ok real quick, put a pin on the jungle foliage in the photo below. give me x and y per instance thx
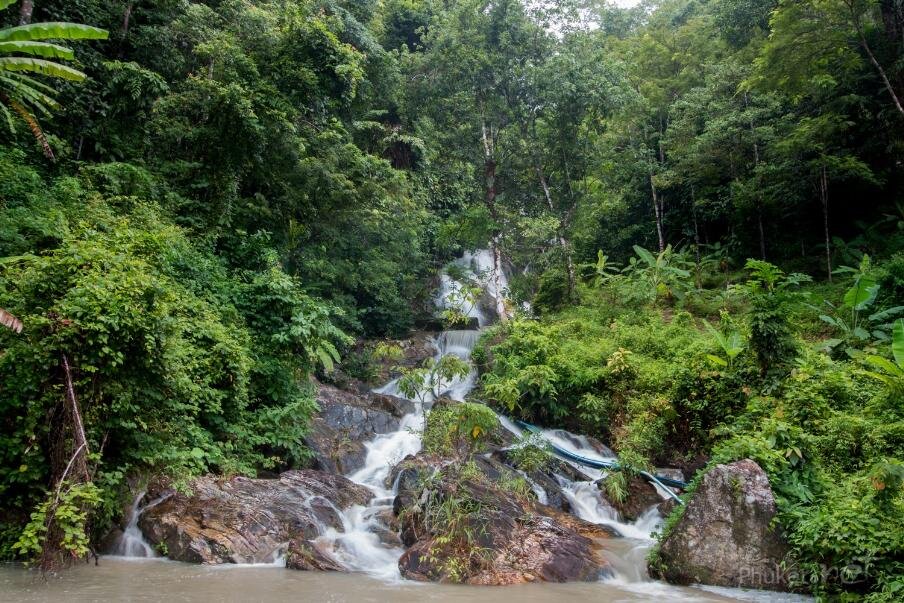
(240, 187)
(678, 382)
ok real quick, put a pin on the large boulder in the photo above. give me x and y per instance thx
(725, 536)
(470, 528)
(345, 422)
(243, 520)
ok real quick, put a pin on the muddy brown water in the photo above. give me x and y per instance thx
(117, 579)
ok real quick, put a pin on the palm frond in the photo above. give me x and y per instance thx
(42, 66)
(38, 49)
(30, 81)
(26, 94)
(9, 118)
(53, 31)
(33, 125)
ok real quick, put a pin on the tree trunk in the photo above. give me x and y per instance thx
(80, 442)
(872, 59)
(657, 211)
(25, 10)
(697, 279)
(69, 467)
(126, 17)
(759, 200)
(489, 171)
(824, 196)
(501, 310)
(759, 221)
(560, 238)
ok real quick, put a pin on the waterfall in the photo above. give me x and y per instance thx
(132, 543)
(477, 267)
(358, 546)
(628, 555)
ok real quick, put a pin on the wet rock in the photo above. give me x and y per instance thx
(497, 537)
(345, 422)
(409, 476)
(305, 555)
(415, 348)
(666, 507)
(242, 520)
(545, 478)
(110, 542)
(640, 496)
(724, 536)
(387, 528)
(397, 407)
(575, 523)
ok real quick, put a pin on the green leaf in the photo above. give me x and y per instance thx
(885, 364)
(828, 344)
(325, 359)
(828, 319)
(53, 31)
(861, 333)
(716, 360)
(862, 294)
(884, 314)
(645, 255)
(39, 49)
(897, 342)
(41, 66)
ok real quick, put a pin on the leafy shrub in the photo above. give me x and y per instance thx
(458, 429)
(552, 291)
(771, 336)
(180, 367)
(531, 453)
(615, 379)
(425, 382)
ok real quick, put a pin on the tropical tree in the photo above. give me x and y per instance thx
(24, 52)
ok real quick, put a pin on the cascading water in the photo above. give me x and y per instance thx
(476, 267)
(626, 555)
(358, 546)
(132, 543)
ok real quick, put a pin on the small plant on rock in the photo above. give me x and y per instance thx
(458, 430)
(531, 453)
(425, 382)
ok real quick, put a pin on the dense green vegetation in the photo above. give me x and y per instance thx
(666, 388)
(203, 205)
(228, 204)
